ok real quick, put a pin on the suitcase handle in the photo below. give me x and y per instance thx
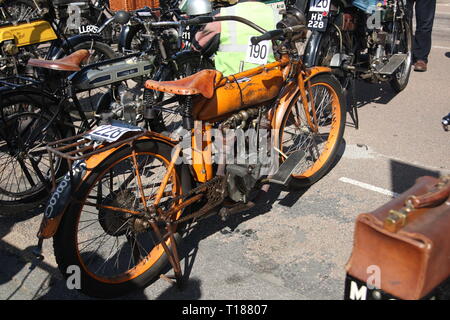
(434, 197)
(437, 195)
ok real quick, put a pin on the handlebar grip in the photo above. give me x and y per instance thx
(199, 20)
(269, 35)
(164, 24)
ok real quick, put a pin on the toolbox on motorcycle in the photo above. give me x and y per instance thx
(407, 240)
(131, 5)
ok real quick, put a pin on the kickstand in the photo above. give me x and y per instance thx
(171, 253)
(174, 280)
(353, 110)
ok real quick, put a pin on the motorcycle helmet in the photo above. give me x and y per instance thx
(196, 7)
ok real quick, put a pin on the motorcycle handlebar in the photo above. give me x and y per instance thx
(276, 34)
(270, 35)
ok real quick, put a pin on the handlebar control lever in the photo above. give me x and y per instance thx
(276, 34)
(269, 35)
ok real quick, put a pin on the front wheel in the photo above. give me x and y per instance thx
(116, 249)
(26, 127)
(321, 140)
(403, 46)
(99, 51)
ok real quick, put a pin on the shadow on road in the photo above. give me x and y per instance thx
(205, 228)
(11, 265)
(403, 175)
(367, 93)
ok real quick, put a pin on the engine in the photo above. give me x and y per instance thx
(246, 148)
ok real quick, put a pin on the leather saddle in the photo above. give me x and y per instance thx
(202, 83)
(69, 63)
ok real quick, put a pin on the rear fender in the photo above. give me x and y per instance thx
(61, 198)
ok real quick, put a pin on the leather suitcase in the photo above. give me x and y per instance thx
(407, 240)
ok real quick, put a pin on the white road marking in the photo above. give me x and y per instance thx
(441, 47)
(369, 187)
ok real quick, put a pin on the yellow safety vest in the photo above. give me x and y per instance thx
(234, 36)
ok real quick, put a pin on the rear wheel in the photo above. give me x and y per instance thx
(19, 10)
(115, 247)
(320, 145)
(99, 51)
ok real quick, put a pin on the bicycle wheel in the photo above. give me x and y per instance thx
(25, 130)
(115, 249)
(403, 45)
(99, 51)
(321, 145)
(19, 10)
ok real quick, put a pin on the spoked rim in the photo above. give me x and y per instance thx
(133, 247)
(24, 162)
(21, 11)
(402, 75)
(298, 135)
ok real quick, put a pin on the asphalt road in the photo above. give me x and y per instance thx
(295, 245)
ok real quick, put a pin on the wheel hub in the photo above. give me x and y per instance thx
(113, 222)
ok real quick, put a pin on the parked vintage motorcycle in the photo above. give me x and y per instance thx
(75, 99)
(361, 39)
(41, 37)
(118, 213)
(75, 17)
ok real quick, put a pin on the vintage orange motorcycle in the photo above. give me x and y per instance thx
(118, 214)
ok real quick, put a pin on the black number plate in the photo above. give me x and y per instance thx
(318, 14)
(317, 21)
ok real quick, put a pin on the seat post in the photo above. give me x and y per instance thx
(186, 113)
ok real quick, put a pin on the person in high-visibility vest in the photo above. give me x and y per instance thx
(235, 52)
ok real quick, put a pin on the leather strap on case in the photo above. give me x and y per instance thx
(436, 196)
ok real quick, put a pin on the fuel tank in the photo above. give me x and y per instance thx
(241, 93)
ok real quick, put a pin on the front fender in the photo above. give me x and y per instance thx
(314, 71)
(65, 192)
(126, 36)
(312, 49)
